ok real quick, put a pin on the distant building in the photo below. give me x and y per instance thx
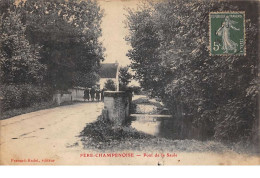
(109, 71)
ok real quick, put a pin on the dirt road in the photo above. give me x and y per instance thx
(45, 134)
(49, 137)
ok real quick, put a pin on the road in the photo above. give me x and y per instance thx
(50, 137)
(46, 134)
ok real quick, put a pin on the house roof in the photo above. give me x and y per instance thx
(108, 70)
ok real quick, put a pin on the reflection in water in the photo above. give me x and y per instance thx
(156, 126)
(160, 127)
(146, 125)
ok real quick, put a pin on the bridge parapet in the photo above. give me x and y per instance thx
(117, 104)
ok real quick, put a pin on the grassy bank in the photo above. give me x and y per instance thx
(102, 135)
(35, 107)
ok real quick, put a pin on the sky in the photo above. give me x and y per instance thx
(114, 31)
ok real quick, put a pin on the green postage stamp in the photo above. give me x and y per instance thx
(227, 33)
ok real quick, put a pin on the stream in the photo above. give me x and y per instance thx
(149, 122)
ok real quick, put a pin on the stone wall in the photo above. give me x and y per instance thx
(74, 94)
(77, 93)
(62, 97)
(117, 105)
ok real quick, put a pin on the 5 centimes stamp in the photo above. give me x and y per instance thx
(227, 33)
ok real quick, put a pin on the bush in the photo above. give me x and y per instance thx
(110, 85)
(136, 90)
(21, 96)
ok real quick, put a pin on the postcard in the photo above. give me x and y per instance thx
(129, 82)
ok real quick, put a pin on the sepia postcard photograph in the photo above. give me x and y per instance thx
(129, 82)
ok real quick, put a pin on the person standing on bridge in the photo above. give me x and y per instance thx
(92, 93)
(86, 94)
(102, 94)
(97, 95)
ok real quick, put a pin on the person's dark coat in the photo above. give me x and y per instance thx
(92, 93)
(97, 95)
(86, 94)
(102, 94)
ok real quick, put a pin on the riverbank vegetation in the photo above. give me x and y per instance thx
(103, 135)
(214, 96)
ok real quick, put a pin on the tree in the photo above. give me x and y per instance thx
(124, 77)
(170, 55)
(68, 32)
(110, 85)
(85, 79)
(19, 61)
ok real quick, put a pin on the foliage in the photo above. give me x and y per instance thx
(124, 77)
(102, 131)
(85, 79)
(19, 61)
(170, 55)
(33, 107)
(110, 85)
(21, 96)
(68, 32)
(47, 43)
(103, 135)
(136, 89)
